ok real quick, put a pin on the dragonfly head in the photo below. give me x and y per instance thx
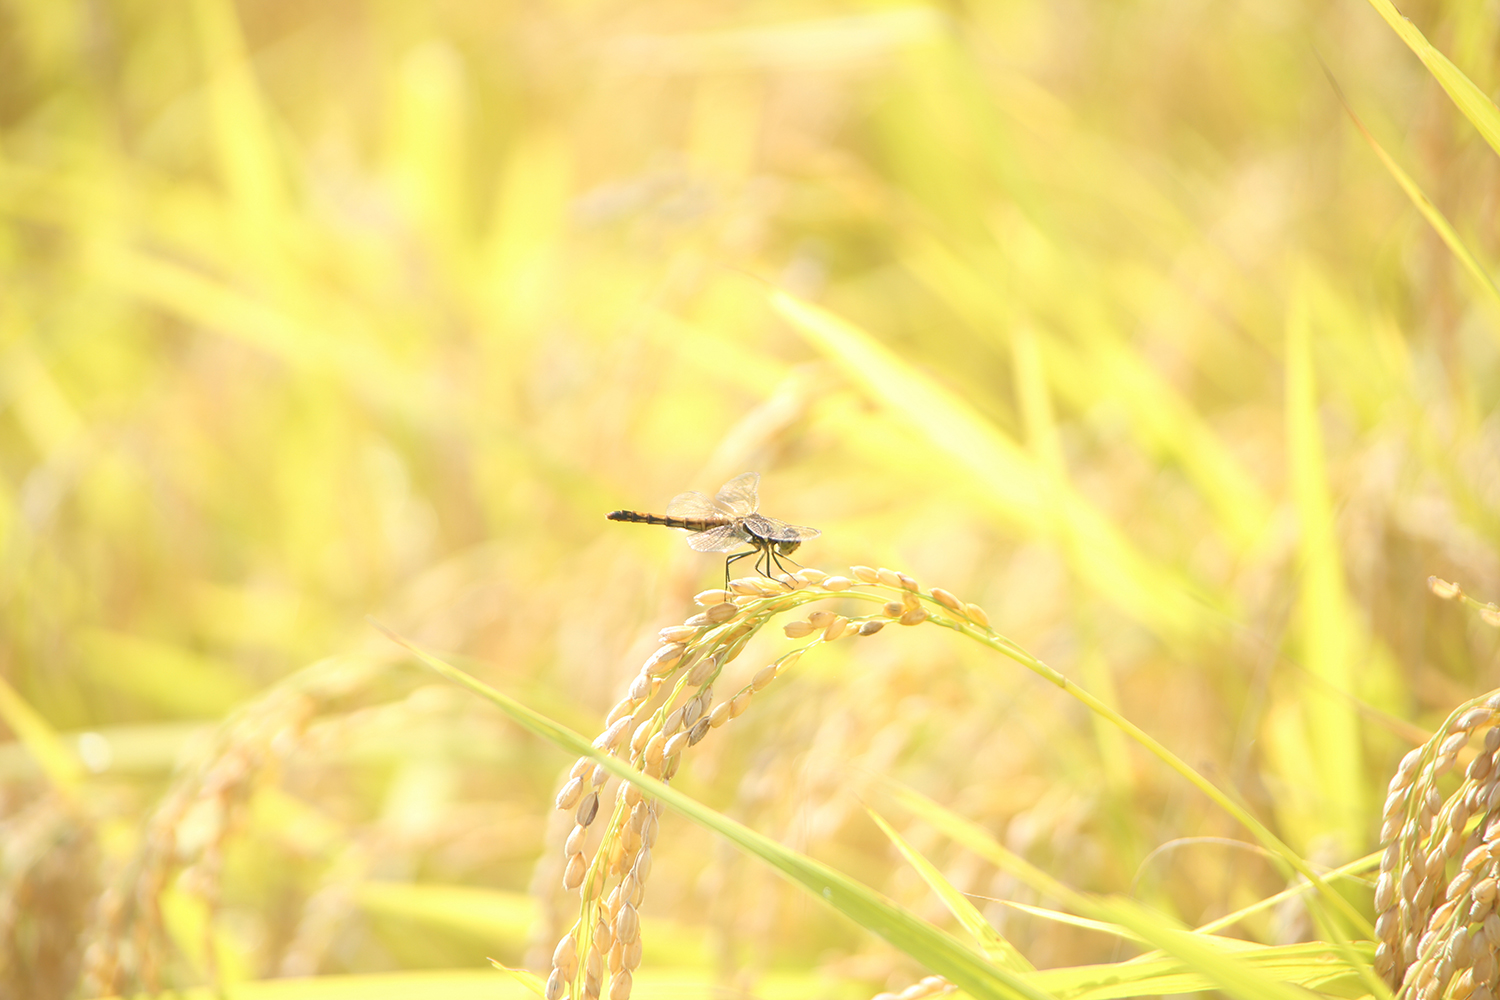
(787, 548)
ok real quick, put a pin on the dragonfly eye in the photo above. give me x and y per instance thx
(787, 548)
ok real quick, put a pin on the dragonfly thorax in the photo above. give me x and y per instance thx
(761, 542)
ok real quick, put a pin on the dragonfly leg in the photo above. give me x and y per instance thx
(773, 555)
(737, 556)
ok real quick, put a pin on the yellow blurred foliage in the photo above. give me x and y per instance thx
(1105, 317)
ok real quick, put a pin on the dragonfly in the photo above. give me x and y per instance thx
(731, 519)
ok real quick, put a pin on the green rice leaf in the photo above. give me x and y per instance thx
(1104, 557)
(1334, 960)
(933, 948)
(1185, 960)
(1430, 212)
(60, 764)
(533, 983)
(1312, 965)
(1205, 955)
(500, 916)
(1069, 920)
(1000, 951)
(1332, 772)
(1476, 107)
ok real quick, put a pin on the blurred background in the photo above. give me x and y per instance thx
(310, 312)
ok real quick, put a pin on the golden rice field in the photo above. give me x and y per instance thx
(1138, 364)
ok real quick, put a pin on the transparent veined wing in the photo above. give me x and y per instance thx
(780, 531)
(738, 496)
(720, 538)
(695, 506)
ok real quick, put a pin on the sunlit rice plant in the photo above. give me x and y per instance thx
(669, 709)
(1167, 332)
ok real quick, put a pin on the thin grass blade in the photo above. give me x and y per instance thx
(1476, 107)
(533, 983)
(1196, 960)
(58, 763)
(1430, 212)
(1311, 965)
(1203, 954)
(1332, 774)
(933, 948)
(999, 950)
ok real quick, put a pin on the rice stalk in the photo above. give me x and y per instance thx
(1436, 928)
(126, 943)
(670, 708)
(1436, 925)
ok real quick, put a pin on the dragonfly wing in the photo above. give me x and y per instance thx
(694, 506)
(721, 538)
(738, 496)
(780, 531)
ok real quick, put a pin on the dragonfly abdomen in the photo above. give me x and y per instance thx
(685, 523)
